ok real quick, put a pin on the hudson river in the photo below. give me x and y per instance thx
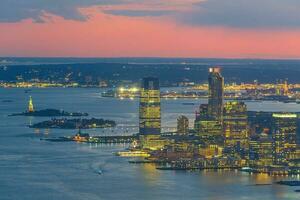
(34, 169)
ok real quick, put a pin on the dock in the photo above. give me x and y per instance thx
(96, 139)
(113, 139)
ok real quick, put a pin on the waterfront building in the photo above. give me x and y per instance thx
(209, 120)
(254, 147)
(177, 150)
(235, 123)
(210, 151)
(215, 93)
(208, 129)
(150, 114)
(282, 88)
(294, 158)
(286, 88)
(30, 105)
(284, 135)
(182, 125)
(81, 137)
(261, 151)
(202, 113)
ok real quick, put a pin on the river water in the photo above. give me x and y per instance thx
(34, 169)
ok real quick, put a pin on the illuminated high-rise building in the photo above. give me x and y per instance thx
(215, 93)
(285, 88)
(282, 88)
(30, 105)
(150, 113)
(261, 150)
(203, 112)
(235, 123)
(182, 125)
(284, 136)
(210, 130)
(208, 122)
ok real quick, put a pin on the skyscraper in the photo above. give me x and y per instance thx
(235, 125)
(284, 136)
(210, 130)
(30, 105)
(150, 113)
(260, 150)
(215, 93)
(182, 125)
(208, 123)
(150, 119)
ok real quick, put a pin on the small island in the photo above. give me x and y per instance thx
(50, 113)
(65, 123)
(47, 112)
(7, 101)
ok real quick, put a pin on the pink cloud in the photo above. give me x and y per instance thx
(116, 36)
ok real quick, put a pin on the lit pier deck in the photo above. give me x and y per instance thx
(133, 154)
(113, 139)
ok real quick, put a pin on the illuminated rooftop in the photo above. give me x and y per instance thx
(215, 69)
(284, 115)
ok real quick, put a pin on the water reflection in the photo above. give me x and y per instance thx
(262, 179)
(67, 170)
(150, 174)
(30, 120)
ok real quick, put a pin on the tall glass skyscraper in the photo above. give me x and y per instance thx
(284, 134)
(149, 110)
(215, 93)
(235, 122)
(150, 115)
(208, 122)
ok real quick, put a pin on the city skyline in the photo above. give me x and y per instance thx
(133, 139)
(149, 99)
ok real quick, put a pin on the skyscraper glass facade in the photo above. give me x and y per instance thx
(149, 109)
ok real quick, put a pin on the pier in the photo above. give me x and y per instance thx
(113, 139)
(96, 139)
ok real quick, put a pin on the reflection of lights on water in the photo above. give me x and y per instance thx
(134, 89)
(121, 89)
(47, 131)
(30, 121)
(151, 175)
(262, 178)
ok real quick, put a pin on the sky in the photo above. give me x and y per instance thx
(150, 28)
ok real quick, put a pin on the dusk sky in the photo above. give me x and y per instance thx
(150, 28)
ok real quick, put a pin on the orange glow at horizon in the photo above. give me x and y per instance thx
(118, 36)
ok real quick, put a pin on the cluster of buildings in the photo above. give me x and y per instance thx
(34, 84)
(222, 136)
(280, 91)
